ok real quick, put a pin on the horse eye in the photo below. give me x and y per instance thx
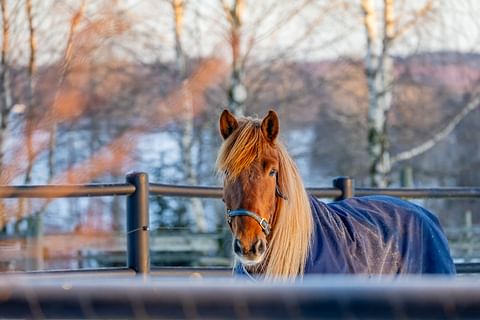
(273, 172)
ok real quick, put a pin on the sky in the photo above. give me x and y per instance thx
(333, 30)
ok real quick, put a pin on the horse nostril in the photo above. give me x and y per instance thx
(237, 246)
(259, 247)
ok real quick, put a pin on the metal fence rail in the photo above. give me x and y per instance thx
(137, 190)
(343, 188)
(66, 191)
(345, 297)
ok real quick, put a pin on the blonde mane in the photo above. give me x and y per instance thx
(289, 244)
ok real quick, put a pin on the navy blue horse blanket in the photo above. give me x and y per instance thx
(375, 235)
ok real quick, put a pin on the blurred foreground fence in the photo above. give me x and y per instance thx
(137, 190)
(345, 297)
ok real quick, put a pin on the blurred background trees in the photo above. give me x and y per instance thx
(386, 91)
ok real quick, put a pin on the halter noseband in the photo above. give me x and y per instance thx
(242, 212)
(261, 221)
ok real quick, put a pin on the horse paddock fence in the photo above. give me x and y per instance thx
(137, 190)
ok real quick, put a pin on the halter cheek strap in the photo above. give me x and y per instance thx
(242, 212)
(279, 193)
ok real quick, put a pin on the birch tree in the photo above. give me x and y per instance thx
(379, 70)
(382, 31)
(6, 103)
(237, 91)
(35, 222)
(32, 66)
(64, 68)
(187, 118)
(379, 73)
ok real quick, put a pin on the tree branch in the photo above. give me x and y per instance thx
(430, 143)
(422, 12)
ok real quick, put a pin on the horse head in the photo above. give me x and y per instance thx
(250, 164)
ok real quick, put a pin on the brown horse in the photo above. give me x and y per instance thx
(258, 173)
(280, 232)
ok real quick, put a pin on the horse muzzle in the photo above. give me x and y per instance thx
(250, 254)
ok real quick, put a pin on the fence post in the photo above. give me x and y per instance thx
(345, 184)
(138, 249)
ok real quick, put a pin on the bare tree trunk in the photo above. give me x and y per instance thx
(35, 222)
(379, 66)
(5, 93)
(67, 59)
(237, 92)
(379, 73)
(187, 139)
(178, 7)
(29, 128)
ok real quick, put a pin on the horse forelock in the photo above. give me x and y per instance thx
(240, 149)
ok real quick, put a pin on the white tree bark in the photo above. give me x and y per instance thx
(237, 91)
(379, 73)
(187, 118)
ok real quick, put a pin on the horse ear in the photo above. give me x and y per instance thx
(271, 126)
(228, 124)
